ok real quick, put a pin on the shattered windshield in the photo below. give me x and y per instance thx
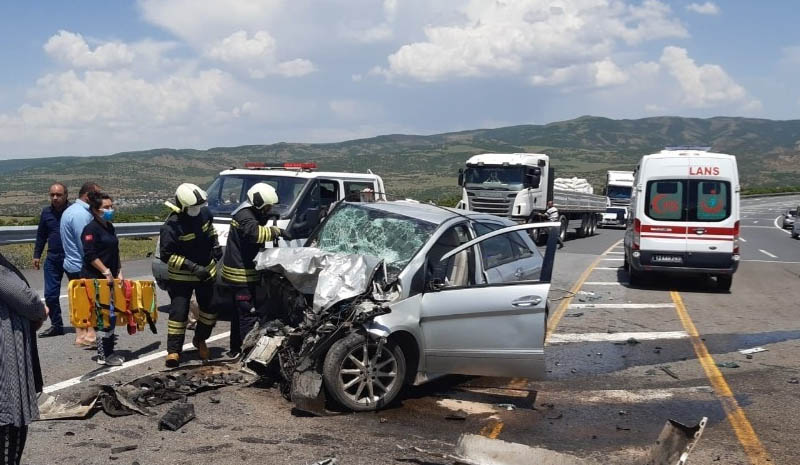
(395, 239)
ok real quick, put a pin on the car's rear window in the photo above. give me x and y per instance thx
(695, 200)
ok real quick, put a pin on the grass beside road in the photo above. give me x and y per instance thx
(134, 248)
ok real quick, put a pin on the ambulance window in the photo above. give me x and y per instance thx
(665, 200)
(710, 200)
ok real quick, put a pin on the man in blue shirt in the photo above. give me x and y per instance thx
(74, 219)
(49, 233)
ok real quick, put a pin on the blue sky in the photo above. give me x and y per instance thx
(98, 77)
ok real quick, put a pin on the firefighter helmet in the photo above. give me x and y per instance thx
(261, 195)
(189, 195)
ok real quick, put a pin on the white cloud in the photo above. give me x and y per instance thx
(257, 55)
(512, 36)
(706, 85)
(359, 31)
(349, 109)
(707, 8)
(73, 50)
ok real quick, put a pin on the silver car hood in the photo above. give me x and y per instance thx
(330, 277)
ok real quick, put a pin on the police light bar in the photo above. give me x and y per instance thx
(300, 166)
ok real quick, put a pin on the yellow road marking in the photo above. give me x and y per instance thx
(492, 430)
(741, 425)
(555, 318)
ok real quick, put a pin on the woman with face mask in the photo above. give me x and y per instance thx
(101, 262)
(188, 245)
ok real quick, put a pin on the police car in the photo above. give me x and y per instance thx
(684, 215)
(305, 196)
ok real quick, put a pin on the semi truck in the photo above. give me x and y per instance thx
(519, 185)
(619, 187)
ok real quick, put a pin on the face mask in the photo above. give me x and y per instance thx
(108, 214)
(195, 210)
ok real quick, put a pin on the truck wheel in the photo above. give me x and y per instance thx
(360, 378)
(724, 282)
(593, 225)
(562, 232)
(539, 237)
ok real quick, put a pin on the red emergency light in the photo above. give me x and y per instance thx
(285, 166)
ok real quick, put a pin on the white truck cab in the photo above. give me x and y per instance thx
(684, 215)
(305, 196)
(619, 188)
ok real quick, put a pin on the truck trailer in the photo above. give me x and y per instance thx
(519, 185)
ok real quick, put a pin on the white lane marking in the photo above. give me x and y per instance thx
(769, 261)
(755, 222)
(756, 227)
(82, 379)
(617, 253)
(665, 305)
(59, 297)
(606, 268)
(776, 225)
(564, 338)
(742, 239)
(603, 283)
(623, 396)
(767, 253)
(613, 259)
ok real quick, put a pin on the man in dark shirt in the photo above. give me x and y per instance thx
(49, 233)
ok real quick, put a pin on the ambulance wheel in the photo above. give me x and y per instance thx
(361, 378)
(625, 265)
(635, 277)
(724, 282)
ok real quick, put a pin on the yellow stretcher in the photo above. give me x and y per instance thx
(134, 303)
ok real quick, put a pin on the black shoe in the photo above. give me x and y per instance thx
(52, 331)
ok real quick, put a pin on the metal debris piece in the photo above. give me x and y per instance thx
(307, 393)
(794, 381)
(632, 341)
(669, 372)
(728, 365)
(50, 408)
(574, 315)
(118, 450)
(754, 350)
(329, 461)
(456, 416)
(506, 406)
(177, 416)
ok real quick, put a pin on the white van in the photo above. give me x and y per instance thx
(684, 215)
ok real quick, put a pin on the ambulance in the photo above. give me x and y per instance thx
(684, 215)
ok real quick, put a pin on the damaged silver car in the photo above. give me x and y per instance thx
(390, 294)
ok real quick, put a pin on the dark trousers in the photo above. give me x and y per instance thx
(105, 344)
(71, 276)
(240, 303)
(180, 294)
(53, 272)
(12, 441)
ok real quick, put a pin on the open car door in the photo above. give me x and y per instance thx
(489, 329)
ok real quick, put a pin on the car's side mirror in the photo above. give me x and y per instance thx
(435, 285)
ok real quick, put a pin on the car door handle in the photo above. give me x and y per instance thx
(527, 301)
(699, 231)
(518, 273)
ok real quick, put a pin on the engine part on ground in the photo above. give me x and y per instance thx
(177, 416)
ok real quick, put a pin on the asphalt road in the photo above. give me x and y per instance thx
(603, 398)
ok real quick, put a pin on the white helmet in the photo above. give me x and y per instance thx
(189, 195)
(261, 195)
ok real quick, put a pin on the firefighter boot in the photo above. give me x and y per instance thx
(173, 360)
(202, 348)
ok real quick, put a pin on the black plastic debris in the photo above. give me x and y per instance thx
(794, 381)
(574, 315)
(119, 450)
(177, 416)
(669, 372)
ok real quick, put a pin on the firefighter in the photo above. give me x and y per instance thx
(248, 234)
(190, 249)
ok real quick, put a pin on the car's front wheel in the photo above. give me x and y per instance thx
(362, 374)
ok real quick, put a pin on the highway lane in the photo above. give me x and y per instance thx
(763, 238)
(603, 397)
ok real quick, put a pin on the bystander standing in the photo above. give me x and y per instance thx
(49, 232)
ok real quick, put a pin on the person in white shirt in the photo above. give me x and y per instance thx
(552, 215)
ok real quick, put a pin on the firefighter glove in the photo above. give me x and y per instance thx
(200, 272)
(217, 252)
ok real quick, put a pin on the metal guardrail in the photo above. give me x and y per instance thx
(23, 234)
(777, 194)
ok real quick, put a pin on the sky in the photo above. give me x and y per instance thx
(97, 77)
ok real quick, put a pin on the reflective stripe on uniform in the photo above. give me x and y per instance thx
(176, 327)
(176, 261)
(187, 237)
(239, 275)
(188, 276)
(264, 234)
(206, 318)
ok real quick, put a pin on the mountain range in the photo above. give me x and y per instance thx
(425, 167)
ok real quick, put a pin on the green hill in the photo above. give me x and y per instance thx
(426, 166)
